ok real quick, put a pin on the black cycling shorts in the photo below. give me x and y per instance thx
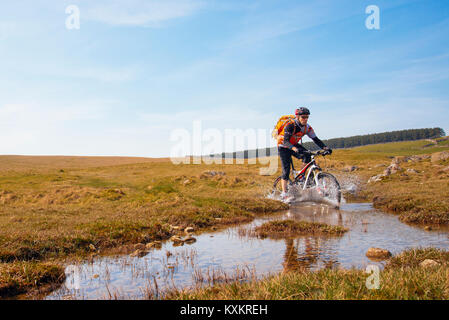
(286, 158)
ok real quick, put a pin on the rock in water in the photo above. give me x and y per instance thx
(378, 253)
(189, 239)
(139, 246)
(176, 240)
(189, 229)
(139, 253)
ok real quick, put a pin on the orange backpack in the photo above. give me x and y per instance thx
(280, 125)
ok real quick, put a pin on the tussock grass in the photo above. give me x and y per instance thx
(20, 277)
(402, 278)
(291, 228)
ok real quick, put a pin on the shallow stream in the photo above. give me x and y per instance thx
(232, 254)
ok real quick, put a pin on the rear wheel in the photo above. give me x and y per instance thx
(328, 187)
(277, 185)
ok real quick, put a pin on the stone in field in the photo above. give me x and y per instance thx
(429, 263)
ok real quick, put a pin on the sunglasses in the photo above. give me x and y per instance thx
(304, 117)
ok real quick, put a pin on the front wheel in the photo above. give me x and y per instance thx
(329, 188)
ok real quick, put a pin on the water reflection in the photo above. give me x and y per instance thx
(231, 249)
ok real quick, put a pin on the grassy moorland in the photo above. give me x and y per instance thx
(58, 208)
(418, 192)
(403, 278)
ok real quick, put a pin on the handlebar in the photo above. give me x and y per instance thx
(322, 152)
(318, 153)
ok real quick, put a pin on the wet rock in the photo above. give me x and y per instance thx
(439, 156)
(427, 228)
(139, 246)
(176, 240)
(378, 253)
(189, 229)
(189, 239)
(429, 263)
(176, 228)
(154, 244)
(95, 276)
(139, 253)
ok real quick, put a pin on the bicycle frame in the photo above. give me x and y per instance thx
(310, 167)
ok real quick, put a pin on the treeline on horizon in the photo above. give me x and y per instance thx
(349, 142)
(374, 138)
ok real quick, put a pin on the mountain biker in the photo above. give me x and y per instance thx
(288, 144)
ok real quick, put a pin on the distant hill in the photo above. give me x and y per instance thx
(347, 142)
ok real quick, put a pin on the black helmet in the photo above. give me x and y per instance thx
(302, 111)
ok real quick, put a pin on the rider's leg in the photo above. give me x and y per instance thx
(286, 158)
(284, 185)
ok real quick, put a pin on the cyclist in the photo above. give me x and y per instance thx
(288, 145)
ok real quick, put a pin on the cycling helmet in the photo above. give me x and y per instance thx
(302, 111)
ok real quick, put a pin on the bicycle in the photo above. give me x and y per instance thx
(313, 177)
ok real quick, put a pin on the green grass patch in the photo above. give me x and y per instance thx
(291, 228)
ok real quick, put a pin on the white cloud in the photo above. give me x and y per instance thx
(149, 13)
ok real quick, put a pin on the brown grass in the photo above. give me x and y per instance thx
(421, 197)
(402, 279)
(62, 207)
(69, 207)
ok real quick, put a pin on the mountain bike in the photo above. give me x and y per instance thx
(313, 177)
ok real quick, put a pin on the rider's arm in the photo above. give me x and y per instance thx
(311, 134)
(319, 143)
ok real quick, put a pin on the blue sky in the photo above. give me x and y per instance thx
(136, 70)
